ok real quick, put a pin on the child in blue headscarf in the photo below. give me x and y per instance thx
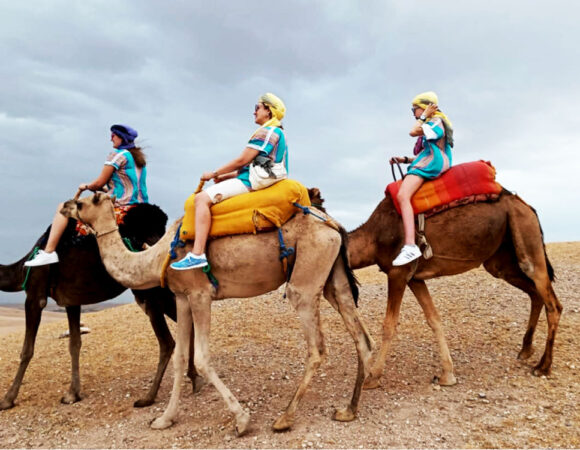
(124, 176)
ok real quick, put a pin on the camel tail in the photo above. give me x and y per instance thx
(551, 272)
(352, 281)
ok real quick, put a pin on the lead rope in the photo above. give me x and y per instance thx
(32, 255)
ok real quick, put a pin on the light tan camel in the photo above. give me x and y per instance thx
(246, 266)
(505, 236)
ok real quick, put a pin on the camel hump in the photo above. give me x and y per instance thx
(143, 224)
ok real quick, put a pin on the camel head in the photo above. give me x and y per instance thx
(96, 211)
(316, 198)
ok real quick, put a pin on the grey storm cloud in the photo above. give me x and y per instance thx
(186, 74)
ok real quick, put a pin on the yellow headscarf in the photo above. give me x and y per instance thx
(430, 97)
(276, 107)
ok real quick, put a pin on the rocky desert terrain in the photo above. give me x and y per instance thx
(258, 350)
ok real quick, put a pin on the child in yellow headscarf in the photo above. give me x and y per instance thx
(233, 178)
(434, 133)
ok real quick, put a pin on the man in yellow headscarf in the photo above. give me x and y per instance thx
(233, 178)
(434, 132)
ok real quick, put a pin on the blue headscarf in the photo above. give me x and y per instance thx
(127, 134)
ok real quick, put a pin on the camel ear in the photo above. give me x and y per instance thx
(113, 198)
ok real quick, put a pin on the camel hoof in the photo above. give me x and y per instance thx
(539, 371)
(197, 383)
(445, 380)
(143, 402)
(160, 423)
(6, 404)
(371, 383)
(70, 398)
(283, 423)
(344, 415)
(525, 353)
(242, 422)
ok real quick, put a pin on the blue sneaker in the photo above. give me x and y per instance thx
(190, 262)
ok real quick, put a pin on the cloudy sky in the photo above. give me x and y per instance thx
(186, 75)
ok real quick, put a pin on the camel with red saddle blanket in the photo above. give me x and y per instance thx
(246, 266)
(503, 233)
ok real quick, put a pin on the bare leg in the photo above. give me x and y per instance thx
(74, 326)
(432, 316)
(202, 222)
(408, 187)
(59, 223)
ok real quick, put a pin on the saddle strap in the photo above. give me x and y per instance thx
(422, 239)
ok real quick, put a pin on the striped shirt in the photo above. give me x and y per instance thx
(435, 158)
(128, 182)
(271, 142)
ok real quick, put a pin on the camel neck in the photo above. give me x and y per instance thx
(134, 270)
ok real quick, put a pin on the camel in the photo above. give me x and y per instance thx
(505, 236)
(81, 279)
(246, 266)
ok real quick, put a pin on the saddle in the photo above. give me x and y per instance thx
(261, 210)
(461, 184)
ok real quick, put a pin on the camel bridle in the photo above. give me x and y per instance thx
(93, 231)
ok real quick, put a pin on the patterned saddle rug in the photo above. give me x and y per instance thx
(461, 184)
(249, 213)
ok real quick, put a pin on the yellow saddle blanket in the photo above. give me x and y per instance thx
(251, 212)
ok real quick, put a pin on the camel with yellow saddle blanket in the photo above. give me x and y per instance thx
(246, 265)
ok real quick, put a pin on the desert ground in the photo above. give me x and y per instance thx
(258, 350)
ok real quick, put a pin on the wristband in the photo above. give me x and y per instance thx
(422, 118)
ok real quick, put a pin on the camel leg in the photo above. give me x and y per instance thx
(74, 345)
(33, 313)
(306, 302)
(396, 288)
(184, 322)
(201, 309)
(526, 269)
(419, 288)
(337, 292)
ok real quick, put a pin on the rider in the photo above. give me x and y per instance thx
(124, 176)
(433, 157)
(232, 178)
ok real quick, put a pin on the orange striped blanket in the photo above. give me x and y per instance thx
(474, 180)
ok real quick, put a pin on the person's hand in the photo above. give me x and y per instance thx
(83, 187)
(399, 159)
(430, 110)
(206, 176)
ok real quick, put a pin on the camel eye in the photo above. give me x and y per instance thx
(79, 206)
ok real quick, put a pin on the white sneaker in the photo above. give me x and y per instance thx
(42, 258)
(408, 253)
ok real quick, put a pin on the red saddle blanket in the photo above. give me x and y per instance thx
(465, 180)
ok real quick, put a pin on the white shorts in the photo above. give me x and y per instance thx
(226, 189)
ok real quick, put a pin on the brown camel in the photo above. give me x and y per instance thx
(81, 279)
(318, 266)
(505, 236)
